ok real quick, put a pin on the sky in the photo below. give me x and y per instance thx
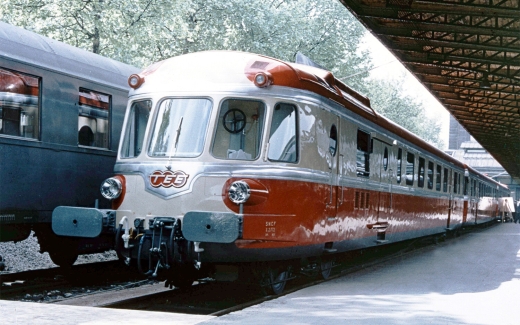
(387, 65)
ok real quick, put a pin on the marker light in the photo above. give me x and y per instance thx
(263, 79)
(111, 188)
(135, 81)
(239, 192)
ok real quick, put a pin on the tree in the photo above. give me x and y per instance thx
(389, 98)
(140, 32)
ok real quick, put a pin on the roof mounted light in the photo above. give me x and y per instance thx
(135, 81)
(263, 79)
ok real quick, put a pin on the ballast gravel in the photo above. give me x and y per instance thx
(24, 256)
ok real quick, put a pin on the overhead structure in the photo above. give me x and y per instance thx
(467, 53)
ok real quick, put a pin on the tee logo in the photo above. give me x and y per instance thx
(168, 178)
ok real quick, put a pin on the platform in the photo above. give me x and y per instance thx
(474, 279)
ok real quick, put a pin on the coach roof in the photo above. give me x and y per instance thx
(28, 47)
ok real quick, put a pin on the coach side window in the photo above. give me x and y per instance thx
(93, 120)
(399, 163)
(438, 178)
(445, 181)
(456, 183)
(363, 154)
(421, 172)
(410, 168)
(19, 104)
(135, 127)
(430, 175)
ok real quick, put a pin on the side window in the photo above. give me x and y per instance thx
(438, 179)
(19, 104)
(135, 126)
(421, 172)
(333, 140)
(445, 181)
(410, 168)
(456, 183)
(93, 119)
(399, 164)
(283, 137)
(385, 159)
(363, 154)
(239, 129)
(430, 175)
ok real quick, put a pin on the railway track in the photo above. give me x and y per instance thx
(57, 283)
(116, 290)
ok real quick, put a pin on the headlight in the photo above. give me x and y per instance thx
(239, 192)
(111, 188)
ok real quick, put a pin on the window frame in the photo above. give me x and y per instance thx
(38, 121)
(296, 130)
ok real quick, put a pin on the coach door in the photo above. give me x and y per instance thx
(331, 125)
(382, 150)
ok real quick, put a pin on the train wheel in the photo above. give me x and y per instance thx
(326, 267)
(274, 279)
(63, 258)
(182, 276)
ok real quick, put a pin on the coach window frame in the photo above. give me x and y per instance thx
(93, 114)
(438, 177)
(430, 174)
(421, 172)
(399, 165)
(36, 134)
(410, 168)
(363, 151)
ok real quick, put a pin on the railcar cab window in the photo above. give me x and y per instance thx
(180, 127)
(135, 126)
(93, 119)
(410, 168)
(239, 129)
(19, 104)
(363, 154)
(283, 136)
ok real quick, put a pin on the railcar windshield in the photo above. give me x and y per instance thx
(180, 127)
(135, 127)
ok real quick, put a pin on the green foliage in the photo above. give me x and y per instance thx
(140, 32)
(390, 99)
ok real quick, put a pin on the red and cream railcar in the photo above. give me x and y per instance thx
(231, 158)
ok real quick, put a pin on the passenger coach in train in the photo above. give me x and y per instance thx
(61, 113)
(236, 161)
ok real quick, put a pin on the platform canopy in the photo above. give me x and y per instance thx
(467, 53)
